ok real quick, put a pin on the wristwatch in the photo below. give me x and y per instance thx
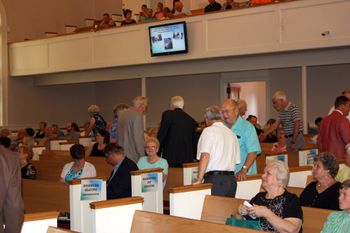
(245, 167)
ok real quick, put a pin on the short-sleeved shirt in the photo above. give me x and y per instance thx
(248, 142)
(328, 199)
(286, 205)
(337, 222)
(288, 117)
(161, 163)
(68, 174)
(222, 146)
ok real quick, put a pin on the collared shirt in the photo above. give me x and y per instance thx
(248, 142)
(222, 145)
(115, 169)
(288, 117)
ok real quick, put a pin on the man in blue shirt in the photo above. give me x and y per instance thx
(247, 137)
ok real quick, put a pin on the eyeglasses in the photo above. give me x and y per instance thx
(226, 110)
(150, 147)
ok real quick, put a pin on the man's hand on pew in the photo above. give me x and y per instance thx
(241, 175)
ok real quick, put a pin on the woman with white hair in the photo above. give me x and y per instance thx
(97, 122)
(277, 209)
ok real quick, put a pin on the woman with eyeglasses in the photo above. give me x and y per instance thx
(152, 160)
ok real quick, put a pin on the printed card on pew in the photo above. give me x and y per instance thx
(91, 189)
(149, 182)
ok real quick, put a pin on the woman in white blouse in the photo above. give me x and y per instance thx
(79, 168)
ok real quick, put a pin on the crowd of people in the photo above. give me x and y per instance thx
(178, 10)
(226, 146)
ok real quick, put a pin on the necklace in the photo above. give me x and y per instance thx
(320, 188)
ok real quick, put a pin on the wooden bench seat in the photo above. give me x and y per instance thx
(146, 222)
(217, 209)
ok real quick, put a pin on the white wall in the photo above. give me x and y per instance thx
(326, 83)
(254, 93)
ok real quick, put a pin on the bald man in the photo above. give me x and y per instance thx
(247, 137)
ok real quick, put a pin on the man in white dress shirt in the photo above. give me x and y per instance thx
(218, 152)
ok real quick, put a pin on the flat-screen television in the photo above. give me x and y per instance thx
(168, 39)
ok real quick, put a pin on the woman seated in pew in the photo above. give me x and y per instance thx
(339, 221)
(102, 139)
(79, 168)
(28, 171)
(324, 192)
(152, 160)
(277, 209)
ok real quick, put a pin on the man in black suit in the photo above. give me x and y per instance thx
(119, 183)
(177, 134)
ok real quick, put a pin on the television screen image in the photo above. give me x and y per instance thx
(168, 39)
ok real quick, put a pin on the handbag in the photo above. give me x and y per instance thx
(251, 224)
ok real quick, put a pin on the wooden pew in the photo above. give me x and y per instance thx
(147, 222)
(39, 222)
(217, 209)
(59, 230)
(51, 163)
(175, 179)
(41, 196)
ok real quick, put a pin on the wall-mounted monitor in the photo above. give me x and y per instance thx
(168, 39)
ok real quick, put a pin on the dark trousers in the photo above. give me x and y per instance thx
(223, 185)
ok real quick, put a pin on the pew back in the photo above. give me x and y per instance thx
(147, 222)
(41, 196)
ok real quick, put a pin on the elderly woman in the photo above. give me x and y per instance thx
(96, 120)
(102, 140)
(339, 221)
(277, 209)
(79, 168)
(324, 192)
(152, 160)
(114, 127)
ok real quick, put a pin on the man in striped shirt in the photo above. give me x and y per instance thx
(290, 120)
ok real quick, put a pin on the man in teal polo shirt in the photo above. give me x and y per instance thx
(247, 137)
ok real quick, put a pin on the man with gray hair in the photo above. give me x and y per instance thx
(177, 134)
(131, 128)
(218, 152)
(290, 119)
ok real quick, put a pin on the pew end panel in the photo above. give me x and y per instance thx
(190, 172)
(39, 222)
(109, 215)
(249, 188)
(187, 201)
(80, 212)
(148, 183)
